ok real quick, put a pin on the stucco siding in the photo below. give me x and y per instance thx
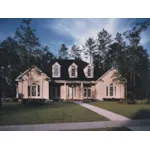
(36, 79)
(101, 85)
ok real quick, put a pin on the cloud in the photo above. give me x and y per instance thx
(81, 29)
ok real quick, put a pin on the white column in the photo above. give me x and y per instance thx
(81, 90)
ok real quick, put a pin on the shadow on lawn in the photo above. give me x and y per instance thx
(142, 114)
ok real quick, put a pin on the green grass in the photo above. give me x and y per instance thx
(133, 111)
(53, 112)
(108, 129)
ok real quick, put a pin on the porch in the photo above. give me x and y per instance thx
(72, 91)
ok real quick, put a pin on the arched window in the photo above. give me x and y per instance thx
(56, 70)
(73, 71)
(111, 89)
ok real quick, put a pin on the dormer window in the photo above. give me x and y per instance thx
(73, 71)
(56, 70)
(89, 71)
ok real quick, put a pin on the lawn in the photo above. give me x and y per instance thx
(133, 111)
(53, 112)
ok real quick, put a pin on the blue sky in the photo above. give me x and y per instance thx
(53, 32)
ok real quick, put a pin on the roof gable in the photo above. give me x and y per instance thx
(25, 72)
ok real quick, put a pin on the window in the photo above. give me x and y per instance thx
(89, 71)
(111, 89)
(33, 90)
(74, 93)
(106, 90)
(73, 71)
(87, 92)
(56, 70)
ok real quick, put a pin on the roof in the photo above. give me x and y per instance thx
(33, 66)
(64, 70)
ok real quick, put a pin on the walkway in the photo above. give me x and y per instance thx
(131, 124)
(107, 114)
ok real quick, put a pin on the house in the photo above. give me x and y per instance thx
(69, 80)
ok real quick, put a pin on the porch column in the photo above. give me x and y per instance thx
(65, 91)
(82, 91)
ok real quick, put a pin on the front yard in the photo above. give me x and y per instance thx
(133, 111)
(53, 112)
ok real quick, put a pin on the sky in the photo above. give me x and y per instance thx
(54, 32)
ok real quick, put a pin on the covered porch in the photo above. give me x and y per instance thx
(68, 90)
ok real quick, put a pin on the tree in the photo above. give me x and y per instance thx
(27, 41)
(75, 52)
(90, 48)
(63, 52)
(119, 79)
(103, 41)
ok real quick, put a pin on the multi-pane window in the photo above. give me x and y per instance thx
(111, 89)
(87, 92)
(56, 70)
(33, 90)
(89, 71)
(73, 71)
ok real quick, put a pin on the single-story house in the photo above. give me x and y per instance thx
(69, 80)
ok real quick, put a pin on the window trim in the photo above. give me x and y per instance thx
(70, 70)
(37, 90)
(86, 94)
(111, 90)
(53, 70)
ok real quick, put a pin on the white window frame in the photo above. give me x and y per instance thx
(111, 86)
(70, 70)
(86, 69)
(53, 70)
(37, 94)
(86, 92)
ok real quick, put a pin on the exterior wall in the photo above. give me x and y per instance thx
(106, 81)
(37, 79)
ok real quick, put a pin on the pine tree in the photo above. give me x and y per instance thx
(90, 49)
(75, 52)
(103, 41)
(63, 52)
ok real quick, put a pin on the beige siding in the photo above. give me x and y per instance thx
(37, 79)
(106, 81)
